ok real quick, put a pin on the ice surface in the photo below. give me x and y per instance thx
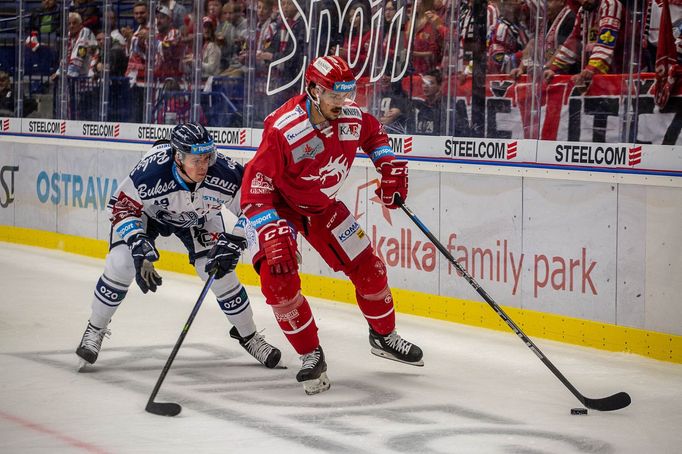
(480, 391)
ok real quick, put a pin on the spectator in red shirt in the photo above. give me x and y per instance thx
(600, 21)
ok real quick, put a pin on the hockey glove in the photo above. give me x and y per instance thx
(279, 245)
(144, 253)
(224, 255)
(393, 182)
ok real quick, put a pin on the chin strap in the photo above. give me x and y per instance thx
(324, 127)
(181, 169)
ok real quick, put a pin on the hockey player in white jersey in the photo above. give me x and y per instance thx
(177, 188)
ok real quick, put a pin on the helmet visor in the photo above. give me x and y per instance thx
(200, 149)
(338, 97)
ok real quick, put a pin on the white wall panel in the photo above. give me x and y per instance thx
(569, 242)
(82, 191)
(37, 190)
(664, 260)
(631, 272)
(481, 223)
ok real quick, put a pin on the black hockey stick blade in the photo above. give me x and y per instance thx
(615, 402)
(163, 408)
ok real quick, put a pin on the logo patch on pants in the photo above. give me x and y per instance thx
(351, 237)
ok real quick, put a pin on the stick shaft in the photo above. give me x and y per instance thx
(185, 329)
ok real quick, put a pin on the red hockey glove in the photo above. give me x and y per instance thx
(280, 247)
(393, 182)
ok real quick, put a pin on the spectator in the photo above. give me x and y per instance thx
(178, 13)
(393, 43)
(427, 111)
(170, 49)
(288, 46)
(78, 53)
(232, 36)
(389, 14)
(46, 19)
(560, 20)
(80, 47)
(210, 53)
(116, 35)
(266, 28)
(7, 98)
(137, 60)
(89, 12)
(429, 38)
(600, 22)
(392, 106)
(357, 33)
(508, 38)
(213, 10)
(468, 42)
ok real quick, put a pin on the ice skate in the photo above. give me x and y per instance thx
(257, 347)
(313, 373)
(90, 345)
(394, 347)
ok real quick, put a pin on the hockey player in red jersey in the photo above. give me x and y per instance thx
(290, 187)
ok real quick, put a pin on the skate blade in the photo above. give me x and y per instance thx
(316, 385)
(385, 355)
(82, 365)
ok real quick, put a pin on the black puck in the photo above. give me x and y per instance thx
(578, 411)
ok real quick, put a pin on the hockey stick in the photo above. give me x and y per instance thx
(170, 408)
(614, 402)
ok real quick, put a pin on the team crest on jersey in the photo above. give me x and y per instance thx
(349, 131)
(335, 170)
(261, 184)
(307, 150)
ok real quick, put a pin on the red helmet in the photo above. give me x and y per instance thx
(330, 72)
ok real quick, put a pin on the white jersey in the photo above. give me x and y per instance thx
(155, 190)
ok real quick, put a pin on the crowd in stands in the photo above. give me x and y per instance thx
(581, 38)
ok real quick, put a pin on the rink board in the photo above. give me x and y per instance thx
(588, 262)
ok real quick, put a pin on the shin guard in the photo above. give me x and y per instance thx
(372, 293)
(292, 311)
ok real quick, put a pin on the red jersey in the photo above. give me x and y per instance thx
(596, 41)
(302, 167)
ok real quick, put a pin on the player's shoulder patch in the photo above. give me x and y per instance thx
(288, 117)
(224, 176)
(153, 161)
(298, 132)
